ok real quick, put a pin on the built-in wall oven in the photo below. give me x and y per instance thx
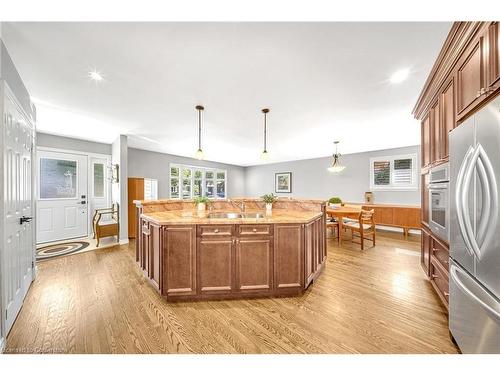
(439, 205)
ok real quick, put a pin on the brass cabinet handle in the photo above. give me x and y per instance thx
(254, 230)
(446, 294)
(216, 231)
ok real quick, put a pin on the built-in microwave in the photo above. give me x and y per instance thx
(439, 205)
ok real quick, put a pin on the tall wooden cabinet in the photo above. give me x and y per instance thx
(139, 188)
(465, 76)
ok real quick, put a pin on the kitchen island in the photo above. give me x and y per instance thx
(228, 252)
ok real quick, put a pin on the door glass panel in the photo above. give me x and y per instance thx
(221, 175)
(58, 178)
(198, 174)
(98, 175)
(186, 173)
(174, 172)
(174, 188)
(209, 174)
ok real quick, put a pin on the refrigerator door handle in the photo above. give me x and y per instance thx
(489, 214)
(468, 173)
(483, 298)
(461, 195)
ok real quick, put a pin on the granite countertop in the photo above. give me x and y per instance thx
(191, 217)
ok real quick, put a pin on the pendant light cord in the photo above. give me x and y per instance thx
(199, 129)
(265, 132)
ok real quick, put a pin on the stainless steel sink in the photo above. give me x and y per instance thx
(236, 215)
(254, 215)
(224, 215)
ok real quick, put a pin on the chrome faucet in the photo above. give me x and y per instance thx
(242, 206)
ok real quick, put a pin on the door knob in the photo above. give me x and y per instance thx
(25, 219)
(83, 202)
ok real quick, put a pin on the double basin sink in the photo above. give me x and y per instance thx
(236, 215)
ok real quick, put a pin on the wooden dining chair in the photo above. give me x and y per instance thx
(333, 224)
(365, 227)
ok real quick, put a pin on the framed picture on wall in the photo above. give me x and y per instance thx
(283, 182)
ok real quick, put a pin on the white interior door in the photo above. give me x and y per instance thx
(62, 198)
(18, 238)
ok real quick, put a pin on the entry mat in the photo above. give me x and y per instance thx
(60, 249)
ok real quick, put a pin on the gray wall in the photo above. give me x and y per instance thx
(310, 178)
(155, 165)
(56, 141)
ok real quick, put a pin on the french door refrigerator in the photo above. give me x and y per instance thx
(475, 232)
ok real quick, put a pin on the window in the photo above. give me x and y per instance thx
(187, 182)
(394, 173)
(98, 174)
(150, 189)
(58, 178)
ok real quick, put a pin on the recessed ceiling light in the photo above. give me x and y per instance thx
(95, 76)
(400, 75)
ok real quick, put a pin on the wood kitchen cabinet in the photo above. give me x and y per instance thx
(426, 142)
(494, 56)
(465, 76)
(471, 77)
(288, 256)
(254, 263)
(179, 261)
(216, 264)
(425, 258)
(155, 246)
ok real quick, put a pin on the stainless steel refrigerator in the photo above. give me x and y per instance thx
(475, 232)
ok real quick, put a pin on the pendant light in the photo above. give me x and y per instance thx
(265, 156)
(199, 153)
(336, 167)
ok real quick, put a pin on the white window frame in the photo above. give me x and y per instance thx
(194, 168)
(392, 187)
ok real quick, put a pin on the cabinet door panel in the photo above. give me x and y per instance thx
(309, 252)
(216, 265)
(426, 142)
(155, 255)
(288, 256)
(179, 277)
(447, 103)
(470, 77)
(254, 264)
(436, 130)
(494, 48)
(426, 246)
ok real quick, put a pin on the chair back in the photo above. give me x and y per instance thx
(116, 211)
(366, 217)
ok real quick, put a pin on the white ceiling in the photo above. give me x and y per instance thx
(322, 82)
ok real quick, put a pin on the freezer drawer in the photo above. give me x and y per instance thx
(474, 314)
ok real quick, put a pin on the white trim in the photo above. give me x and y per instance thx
(391, 186)
(2, 345)
(67, 151)
(123, 242)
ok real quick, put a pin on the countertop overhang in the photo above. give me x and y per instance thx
(194, 217)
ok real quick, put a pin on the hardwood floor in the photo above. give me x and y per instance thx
(375, 301)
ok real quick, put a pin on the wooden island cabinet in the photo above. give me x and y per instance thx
(188, 256)
(465, 76)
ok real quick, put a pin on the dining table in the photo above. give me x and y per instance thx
(351, 212)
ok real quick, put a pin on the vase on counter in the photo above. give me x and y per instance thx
(269, 207)
(202, 206)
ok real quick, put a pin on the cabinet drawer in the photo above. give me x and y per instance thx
(215, 230)
(258, 229)
(440, 280)
(441, 254)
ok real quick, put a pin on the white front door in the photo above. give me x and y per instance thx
(18, 238)
(62, 196)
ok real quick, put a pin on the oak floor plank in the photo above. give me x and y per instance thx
(371, 301)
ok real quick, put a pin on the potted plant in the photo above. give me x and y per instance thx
(335, 202)
(269, 199)
(201, 203)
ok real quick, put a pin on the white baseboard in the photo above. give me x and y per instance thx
(2, 345)
(123, 242)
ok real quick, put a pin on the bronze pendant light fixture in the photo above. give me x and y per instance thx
(265, 155)
(336, 167)
(199, 153)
